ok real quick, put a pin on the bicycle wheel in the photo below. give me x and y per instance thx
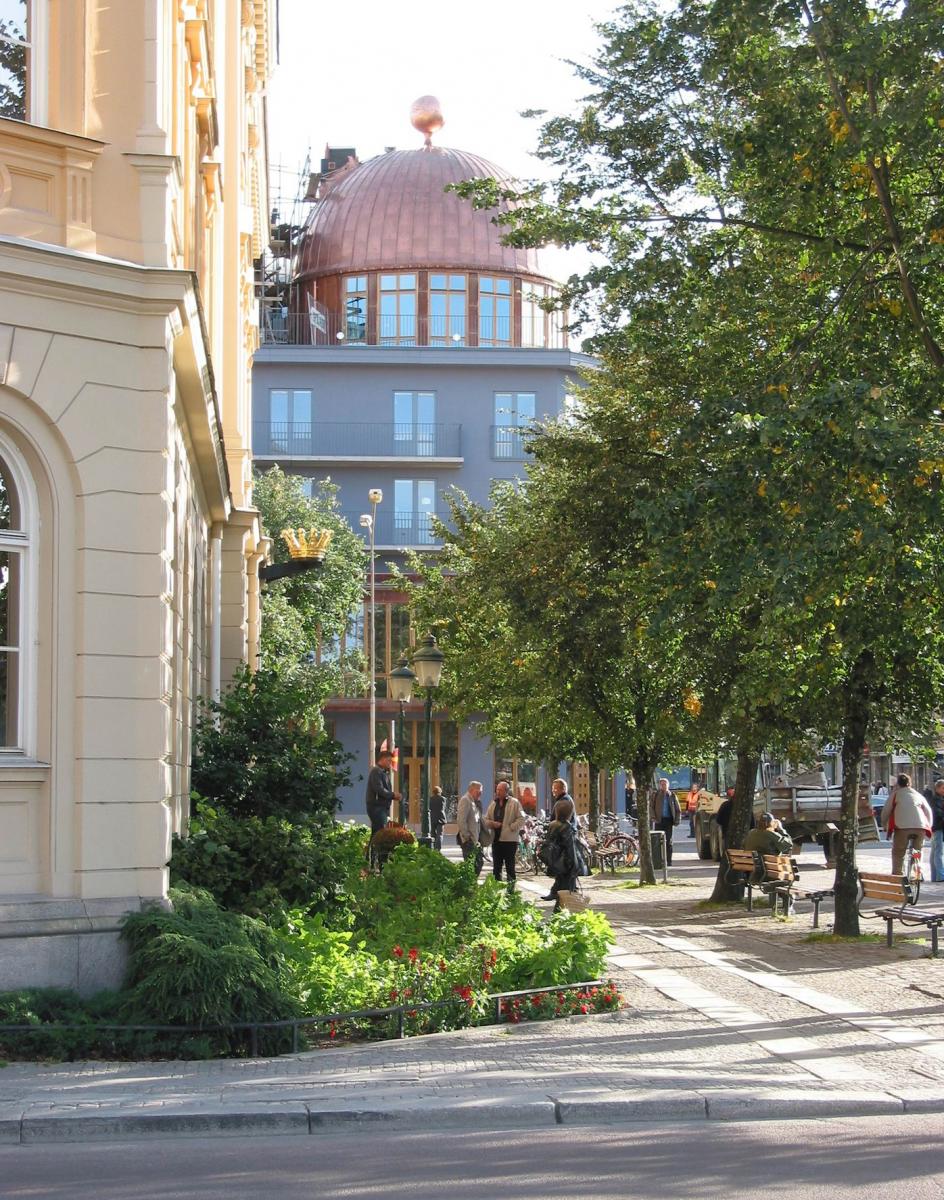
(913, 875)
(524, 860)
(628, 845)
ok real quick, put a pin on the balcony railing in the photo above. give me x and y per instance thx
(339, 331)
(509, 442)
(397, 528)
(356, 439)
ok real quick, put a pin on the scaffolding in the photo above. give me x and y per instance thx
(293, 190)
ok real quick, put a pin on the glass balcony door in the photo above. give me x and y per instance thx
(414, 423)
(414, 502)
(289, 421)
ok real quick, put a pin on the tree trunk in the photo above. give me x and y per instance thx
(643, 767)
(856, 725)
(748, 760)
(593, 774)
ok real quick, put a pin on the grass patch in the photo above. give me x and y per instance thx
(630, 884)
(840, 939)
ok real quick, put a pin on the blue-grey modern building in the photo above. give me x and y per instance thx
(410, 355)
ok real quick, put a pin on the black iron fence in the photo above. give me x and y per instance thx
(398, 1013)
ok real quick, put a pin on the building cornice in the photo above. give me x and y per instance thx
(425, 356)
(89, 285)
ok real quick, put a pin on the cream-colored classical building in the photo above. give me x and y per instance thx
(132, 205)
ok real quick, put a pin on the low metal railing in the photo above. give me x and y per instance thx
(337, 330)
(357, 439)
(400, 1011)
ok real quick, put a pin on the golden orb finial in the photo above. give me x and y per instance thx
(426, 116)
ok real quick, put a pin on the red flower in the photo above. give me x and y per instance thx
(413, 955)
(535, 1000)
(583, 1008)
(494, 957)
(398, 951)
(442, 965)
(407, 993)
(393, 993)
(486, 976)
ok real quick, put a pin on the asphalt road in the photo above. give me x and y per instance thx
(860, 1158)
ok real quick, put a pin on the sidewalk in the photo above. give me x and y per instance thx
(730, 1015)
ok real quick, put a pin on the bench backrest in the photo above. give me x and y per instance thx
(892, 889)
(780, 867)
(741, 860)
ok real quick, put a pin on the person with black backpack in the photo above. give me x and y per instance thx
(560, 852)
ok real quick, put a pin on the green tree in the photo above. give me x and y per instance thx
(763, 182)
(305, 611)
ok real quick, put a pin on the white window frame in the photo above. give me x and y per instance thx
(37, 77)
(25, 542)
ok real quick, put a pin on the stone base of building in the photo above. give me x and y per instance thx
(45, 942)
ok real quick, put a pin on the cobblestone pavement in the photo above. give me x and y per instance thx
(728, 1013)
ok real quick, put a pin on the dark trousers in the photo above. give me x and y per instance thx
(666, 825)
(437, 838)
(378, 818)
(473, 850)
(504, 853)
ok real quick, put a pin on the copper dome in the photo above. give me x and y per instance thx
(391, 213)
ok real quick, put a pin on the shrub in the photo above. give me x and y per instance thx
(200, 965)
(261, 751)
(264, 866)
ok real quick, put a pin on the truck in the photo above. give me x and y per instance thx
(804, 803)
(809, 809)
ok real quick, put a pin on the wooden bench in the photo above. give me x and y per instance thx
(601, 856)
(898, 904)
(776, 876)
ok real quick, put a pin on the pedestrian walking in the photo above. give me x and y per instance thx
(630, 795)
(437, 817)
(907, 819)
(561, 852)
(506, 819)
(380, 793)
(691, 805)
(878, 800)
(666, 814)
(935, 798)
(560, 795)
(472, 834)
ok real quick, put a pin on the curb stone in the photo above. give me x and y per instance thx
(612, 1108)
(11, 1117)
(783, 1105)
(110, 1123)
(503, 1114)
(600, 1108)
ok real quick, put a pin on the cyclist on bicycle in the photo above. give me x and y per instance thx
(907, 819)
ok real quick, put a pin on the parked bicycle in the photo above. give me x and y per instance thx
(529, 843)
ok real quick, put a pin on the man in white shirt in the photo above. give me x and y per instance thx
(908, 818)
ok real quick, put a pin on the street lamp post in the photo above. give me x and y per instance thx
(428, 661)
(401, 690)
(369, 522)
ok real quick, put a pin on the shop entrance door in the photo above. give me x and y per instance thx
(413, 770)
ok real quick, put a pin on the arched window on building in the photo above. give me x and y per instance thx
(17, 541)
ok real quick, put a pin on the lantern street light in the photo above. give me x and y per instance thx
(428, 662)
(368, 521)
(401, 690)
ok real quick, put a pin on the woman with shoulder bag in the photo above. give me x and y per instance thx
(561, 852)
